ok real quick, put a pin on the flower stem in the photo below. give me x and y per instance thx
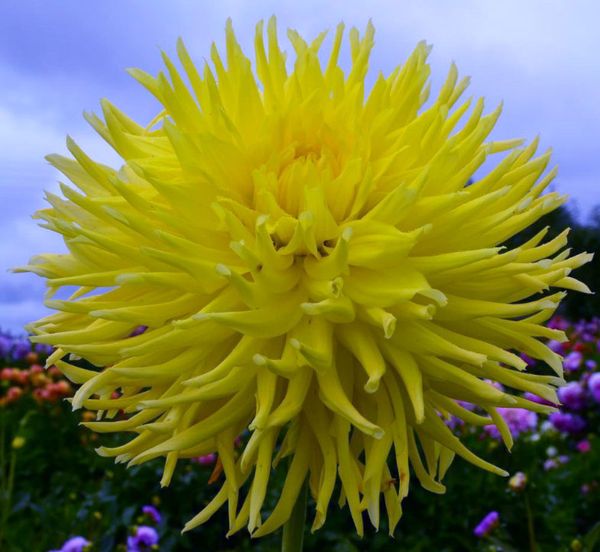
(530, 528)
(293, 530)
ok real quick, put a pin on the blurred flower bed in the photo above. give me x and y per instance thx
(57, 494)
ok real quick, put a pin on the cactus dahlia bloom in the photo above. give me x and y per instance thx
(311, 264)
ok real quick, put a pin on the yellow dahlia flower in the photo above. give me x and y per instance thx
(311, 264)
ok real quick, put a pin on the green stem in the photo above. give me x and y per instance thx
(530, 529)
(293, 530)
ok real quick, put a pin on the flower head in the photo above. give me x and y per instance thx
(144, 538)
(152, 513)
(74, 544)
(567, 422)
(584, 446)
(573, 361)
(310, 262)
(572, 395)
(487, 524)
(206, 459)
(517, 482)
(519, 420)
(594, 386)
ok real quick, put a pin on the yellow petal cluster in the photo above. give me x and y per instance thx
(313, 263)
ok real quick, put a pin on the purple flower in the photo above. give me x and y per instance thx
(139, 330)
(152, 513)
(495, 384)
(74, 544)
(528, 359)
(487, 525)
(519, 421)
(553, 463)
(558, 323)
(556, 346)
(43, 349)
(536, 399)
(144, 538)
(5, 345)
(573, 361)
(572, 395)
(20, 349)
(454, 422)
(594, 386)
(566, 422)
(591, 364)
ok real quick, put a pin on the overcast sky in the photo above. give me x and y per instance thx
(58, 58)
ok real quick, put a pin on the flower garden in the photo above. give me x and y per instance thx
(58, 495)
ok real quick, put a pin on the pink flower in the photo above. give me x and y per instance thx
(584, 446)
(206, 460)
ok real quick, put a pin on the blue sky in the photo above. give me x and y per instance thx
(58, 58)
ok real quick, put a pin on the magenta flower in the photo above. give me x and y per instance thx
(206, 460)
(584, 446)
(572, 395)
(487, 525)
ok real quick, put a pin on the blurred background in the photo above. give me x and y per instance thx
(58, 59)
